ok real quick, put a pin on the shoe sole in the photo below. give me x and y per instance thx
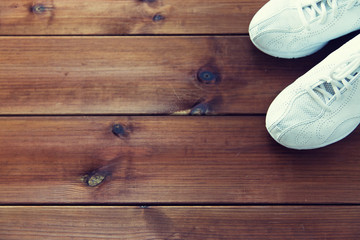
(317, 146)
(289, 55)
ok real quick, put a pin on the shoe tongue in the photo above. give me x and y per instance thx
(328, 87)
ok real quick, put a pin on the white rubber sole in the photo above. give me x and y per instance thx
(291, 55)
(315, 146)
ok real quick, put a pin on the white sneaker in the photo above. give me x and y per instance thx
(322, 106)
(297, 28)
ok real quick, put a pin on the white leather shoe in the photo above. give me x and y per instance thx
(297, 28)
(322, 106)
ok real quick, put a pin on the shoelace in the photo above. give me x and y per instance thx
(338, 81)
(319, 8)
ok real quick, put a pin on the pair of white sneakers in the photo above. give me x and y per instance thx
(322, 106)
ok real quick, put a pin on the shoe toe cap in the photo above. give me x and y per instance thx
(290, 119)
(270, 27)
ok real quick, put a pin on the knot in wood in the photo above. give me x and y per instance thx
(208, 76)
(94, 179)
(158, 17)
(118, 130)
(38, 9)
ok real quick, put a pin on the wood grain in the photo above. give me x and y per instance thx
(174, 223)
(126, 17)
(140, 75)
(156, 160)
(167, 160)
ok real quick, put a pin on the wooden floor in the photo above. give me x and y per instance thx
(144, 119)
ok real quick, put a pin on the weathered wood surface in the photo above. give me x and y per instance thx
(123, 17)
(157, 160)
(140, 75)
(174, 223)
(167, 160)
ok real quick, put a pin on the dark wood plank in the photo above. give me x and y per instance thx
(140, 75)
(167, 160)
(174, 223)
(67, 17)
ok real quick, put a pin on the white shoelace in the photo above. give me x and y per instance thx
(319, 8)
(339, 80)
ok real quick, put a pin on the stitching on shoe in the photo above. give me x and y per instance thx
(320, 31)
(269, 21)
(357, 24)
(322, 113)
(288, 107)
(302, 123)
(299, 135)
(338, 127)
(296, 39)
